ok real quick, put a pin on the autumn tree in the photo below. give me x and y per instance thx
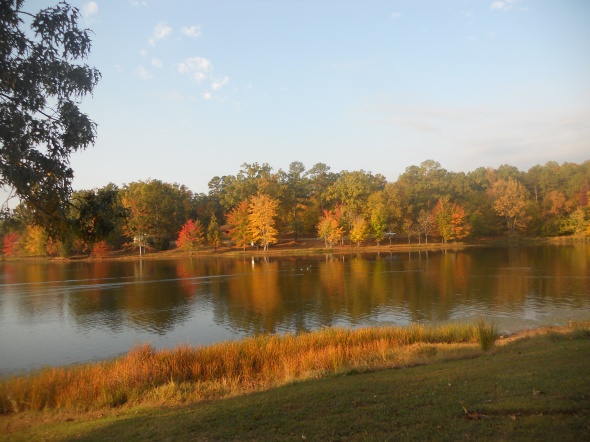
(100, 249)
(191, 236)
(10, 244)
(261, 220)
(509, 199)
(213, 236)
(461, 227)
(34, 241)
(360, 230)
(329, 229)
(425, 223)
(555, 209)
(576, 223)
(41, 84)
(238, 220)
(409, 229)
(443, 214)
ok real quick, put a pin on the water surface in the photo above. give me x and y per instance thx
(54, 313)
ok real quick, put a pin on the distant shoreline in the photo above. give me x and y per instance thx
(304, 247)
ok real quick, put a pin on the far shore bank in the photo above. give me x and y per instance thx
(307, 247)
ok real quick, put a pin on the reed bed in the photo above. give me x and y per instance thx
(188, 374)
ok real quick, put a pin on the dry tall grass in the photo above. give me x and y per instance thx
(195, 373)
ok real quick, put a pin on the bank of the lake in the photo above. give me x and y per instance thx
(532, 386)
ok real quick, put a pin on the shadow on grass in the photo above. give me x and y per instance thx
(531, 389)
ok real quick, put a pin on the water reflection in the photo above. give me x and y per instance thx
(86, 310)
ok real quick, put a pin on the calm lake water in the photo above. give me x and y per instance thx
(54, 313)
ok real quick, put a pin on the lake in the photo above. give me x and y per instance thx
(55, 313)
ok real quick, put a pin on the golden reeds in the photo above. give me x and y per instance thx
(194, 373)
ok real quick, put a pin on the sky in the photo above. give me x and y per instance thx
(193, 89)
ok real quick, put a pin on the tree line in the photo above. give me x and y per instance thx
(257, 206)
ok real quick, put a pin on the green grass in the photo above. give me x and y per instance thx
(533, 388)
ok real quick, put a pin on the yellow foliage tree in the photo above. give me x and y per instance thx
(262, 211)
(238, 220)
(359, 231)
(509, 199)
(34, 241)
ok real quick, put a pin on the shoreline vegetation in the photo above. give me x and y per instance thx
(309, 246)
(167, 382)
(192, 374)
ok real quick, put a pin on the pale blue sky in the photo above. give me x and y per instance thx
(193, 89)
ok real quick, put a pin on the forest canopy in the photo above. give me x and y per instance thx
(257, 206)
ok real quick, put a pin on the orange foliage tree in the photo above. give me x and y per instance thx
(451, 220)
(10, 244)
(191, 236)
(100, 249)
(329, 229)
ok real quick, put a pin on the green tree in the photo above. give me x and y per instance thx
(156, 210)
(320, 180)
(213, 236)
(41, 84)
(421, 186)
(377, 213)
(295, 195)
(352, 189)
(98, 215)
(250, 180)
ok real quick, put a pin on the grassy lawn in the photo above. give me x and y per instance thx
(534, 388)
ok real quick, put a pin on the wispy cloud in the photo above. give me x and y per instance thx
(503, 5)
(200, 70)
(396, 14)
(197, 68)
(161, 32)
(191, 31)
(136, 3)
(218, 83)
(156, 62)
(143, 73)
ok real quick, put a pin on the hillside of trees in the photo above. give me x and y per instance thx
(257, 206)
